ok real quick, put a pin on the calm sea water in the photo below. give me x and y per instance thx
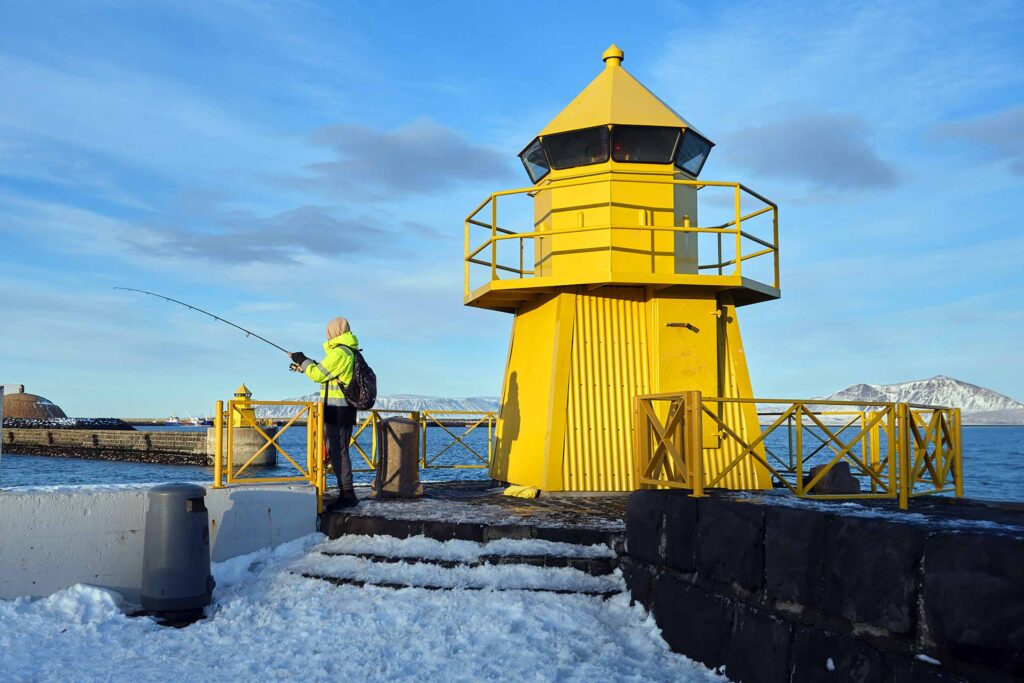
(993, 463)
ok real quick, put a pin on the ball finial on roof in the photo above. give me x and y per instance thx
(613, 56)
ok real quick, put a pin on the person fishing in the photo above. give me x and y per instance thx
(334, 371)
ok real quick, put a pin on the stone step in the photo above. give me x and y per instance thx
(454, 565)
(595, 566)
(360, 583)
(337, 524)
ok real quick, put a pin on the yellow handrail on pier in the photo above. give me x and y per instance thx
(902, 450)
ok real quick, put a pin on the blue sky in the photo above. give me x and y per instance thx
(284, 163)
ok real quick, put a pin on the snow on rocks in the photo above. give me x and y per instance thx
(270, 623)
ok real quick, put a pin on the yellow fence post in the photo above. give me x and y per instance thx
(903, 476)
(739, 235)
(230, 442)
(958, 455)
(321, 485)
(800, 449)
(693, 441)
(218, 448)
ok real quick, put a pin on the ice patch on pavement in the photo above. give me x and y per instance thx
(460, 551)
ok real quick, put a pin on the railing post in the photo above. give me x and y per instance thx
(218, 449)
(958, 455)
(318, 454)
(310, 467)
(903, 454)
(230, 445)
(465, 263)
(638, 453)
(739, 236)
(494, 238)
(693, 441)
(800, 449)
(490, 435)
(775, 229)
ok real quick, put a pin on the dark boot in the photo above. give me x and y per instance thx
(347, 499)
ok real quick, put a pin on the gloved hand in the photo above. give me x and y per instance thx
(298, 357)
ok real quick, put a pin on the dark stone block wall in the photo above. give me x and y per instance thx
(173, 448)
(777, 593)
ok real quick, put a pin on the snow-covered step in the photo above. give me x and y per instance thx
(464, 565)
(592, 559)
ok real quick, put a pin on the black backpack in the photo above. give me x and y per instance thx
(361, 392)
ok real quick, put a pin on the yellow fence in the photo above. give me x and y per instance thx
(896, 450)
(736, 245)
(439, 420)
(311, 467)
(240, 412)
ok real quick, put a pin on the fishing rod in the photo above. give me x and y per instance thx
(248, 333)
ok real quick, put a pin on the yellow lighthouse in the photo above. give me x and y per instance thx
(618, 289)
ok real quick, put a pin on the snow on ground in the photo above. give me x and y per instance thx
(269, 623)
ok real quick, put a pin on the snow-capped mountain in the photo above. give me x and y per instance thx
(978, 404)
(402, 402)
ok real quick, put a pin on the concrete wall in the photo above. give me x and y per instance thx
(777, 593)
(51, 539)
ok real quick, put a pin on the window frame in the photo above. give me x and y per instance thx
(679, 148)
(544, 152)
(547, 153)
(675, 146)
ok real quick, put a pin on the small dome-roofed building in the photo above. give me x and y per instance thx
(30, 406)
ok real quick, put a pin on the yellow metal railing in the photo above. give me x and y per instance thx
(224, 470)
(438, 420)
(900, 450)
(485, 254)
(310, 414)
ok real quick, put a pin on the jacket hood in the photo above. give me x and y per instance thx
(344, 339)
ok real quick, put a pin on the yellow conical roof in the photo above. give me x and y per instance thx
(615, 97)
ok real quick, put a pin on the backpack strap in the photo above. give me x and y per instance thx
(334, 377)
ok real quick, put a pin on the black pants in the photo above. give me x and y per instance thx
(338, 423)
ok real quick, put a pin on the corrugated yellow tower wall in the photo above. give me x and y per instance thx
(611, 344)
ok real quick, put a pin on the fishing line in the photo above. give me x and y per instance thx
(248, 333)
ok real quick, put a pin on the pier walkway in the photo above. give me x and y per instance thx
(477, 511)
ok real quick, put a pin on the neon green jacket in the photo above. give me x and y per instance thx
(335, 369)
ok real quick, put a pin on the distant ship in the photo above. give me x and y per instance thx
(172, 420)
(198, 421)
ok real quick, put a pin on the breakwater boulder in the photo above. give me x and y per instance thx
(90, 423)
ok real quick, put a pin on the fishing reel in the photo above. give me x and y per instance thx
(295, 367)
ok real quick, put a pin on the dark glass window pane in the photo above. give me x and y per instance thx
(578, 148)
(534, 161)
(644, 144)
(693, 152)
